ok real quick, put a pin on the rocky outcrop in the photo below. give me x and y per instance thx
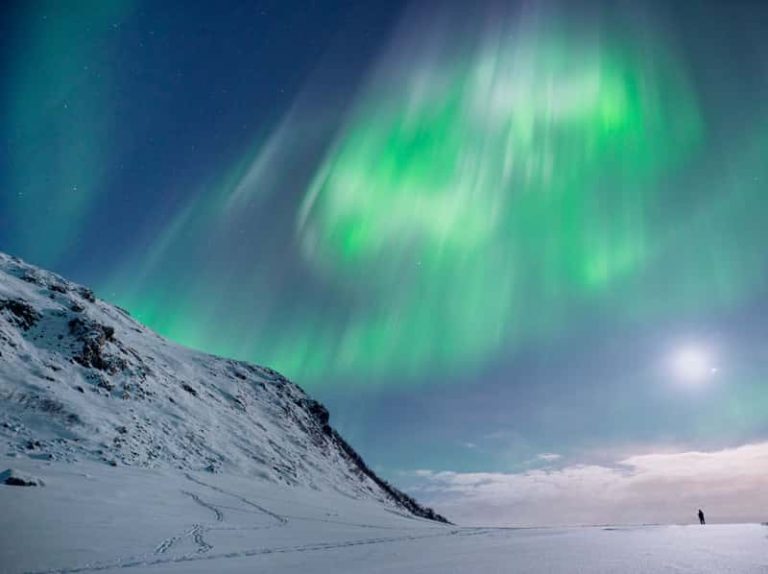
(12, 477)
(94, 337)
(20, 312)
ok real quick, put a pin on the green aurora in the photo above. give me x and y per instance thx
(473, 214)
(471, 203)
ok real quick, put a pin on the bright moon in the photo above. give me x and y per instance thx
(693, 365)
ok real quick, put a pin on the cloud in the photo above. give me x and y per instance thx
(549, 456)
(731, 485)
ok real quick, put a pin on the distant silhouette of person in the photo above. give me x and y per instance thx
(701, 517)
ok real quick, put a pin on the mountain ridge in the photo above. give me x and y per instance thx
(81, 379)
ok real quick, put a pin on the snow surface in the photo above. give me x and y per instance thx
(90, 517)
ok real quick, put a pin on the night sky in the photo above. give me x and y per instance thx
(500, 240)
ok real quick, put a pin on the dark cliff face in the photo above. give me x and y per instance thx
(322, 417)
(80, 379)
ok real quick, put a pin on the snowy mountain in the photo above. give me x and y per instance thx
(80, 380)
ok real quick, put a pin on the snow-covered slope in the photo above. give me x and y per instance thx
(81, 380)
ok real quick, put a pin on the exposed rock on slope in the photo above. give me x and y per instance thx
(80, 379)
(13, 477)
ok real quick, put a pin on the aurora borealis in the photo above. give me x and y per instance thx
(491, 223)
(522, 168)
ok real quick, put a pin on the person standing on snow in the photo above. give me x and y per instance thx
(701, 517)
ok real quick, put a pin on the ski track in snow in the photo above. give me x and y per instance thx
(280, 519)
(195, 534)
(215, 509)
(197, 530)
(315, 547)
(202, 552)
